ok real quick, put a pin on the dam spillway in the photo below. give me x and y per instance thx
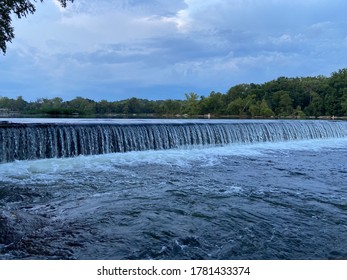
(38, 140)
(207, 199)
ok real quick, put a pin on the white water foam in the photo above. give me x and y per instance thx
(185, 157)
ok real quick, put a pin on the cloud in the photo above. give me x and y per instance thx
(166, 45)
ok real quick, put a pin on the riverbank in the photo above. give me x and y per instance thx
(166, 116)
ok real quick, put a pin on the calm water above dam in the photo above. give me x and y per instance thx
(226, 190)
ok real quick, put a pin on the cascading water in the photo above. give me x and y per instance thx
(237, 189)
(37, 141)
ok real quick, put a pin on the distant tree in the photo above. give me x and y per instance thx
(132, 106)
(54, 106)
(332, 104)
(6, 103)
(191, 103)
(338, 80)
(82, 106)
(20, 8)
(103, 107)
(243, 106)
(237, 91)
(282, 103)
(215, 103)
(298, 113)
(344, 103)
(294, 97)
(265, 110)
(316, 106)
(20, 104)
(235, 107)
(171, 107)
(285, 105)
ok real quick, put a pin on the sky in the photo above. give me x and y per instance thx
(162, 49)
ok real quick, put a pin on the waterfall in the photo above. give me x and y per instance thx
(37, 141)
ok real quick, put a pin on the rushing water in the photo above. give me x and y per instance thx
(266, 200)
(51, 140)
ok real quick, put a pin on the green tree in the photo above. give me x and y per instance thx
(235, 108)
(254, 109)
(338, 79)
(82, 106)
(265, 110)
(238, 91)
(54, 106)
(298, 113)
(243, 106)
(260, 109)
(285, 104)
(20, 8)
(338, 82)
(332, 104)
(213, 104)
(103, 107)
(191, 104)
(20, 104)
(171, 107)
(6, 103)
(282, 103)
(316, 106)
(313, 96)
(344, 103)
(132, 106)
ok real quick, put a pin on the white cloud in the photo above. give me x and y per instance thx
(181, 20)
(208, 44)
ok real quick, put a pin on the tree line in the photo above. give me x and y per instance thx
(283, 97)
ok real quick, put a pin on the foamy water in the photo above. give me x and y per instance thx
(282, 200)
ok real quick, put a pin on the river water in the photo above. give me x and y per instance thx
(282, 200)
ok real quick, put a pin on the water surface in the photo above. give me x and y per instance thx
(274, 200)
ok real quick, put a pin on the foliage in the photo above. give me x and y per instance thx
(19, 8)
(283, 97)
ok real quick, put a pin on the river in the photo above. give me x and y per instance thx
(258, 200)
